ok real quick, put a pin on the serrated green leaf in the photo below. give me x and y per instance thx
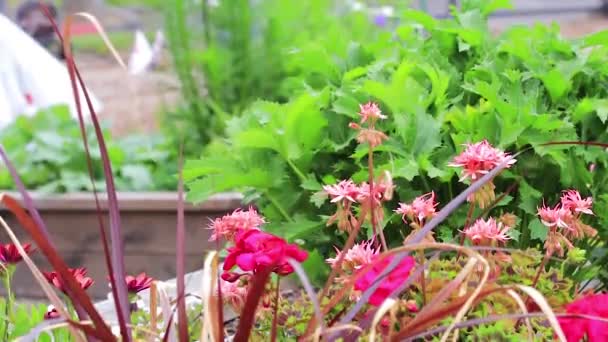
(538, 230)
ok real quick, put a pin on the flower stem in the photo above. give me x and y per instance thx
(275, 318)
(278, 206)
(467, 222)
(296, 170)
(541, 268)
(372, 198)
(422, 276)
(8, 309)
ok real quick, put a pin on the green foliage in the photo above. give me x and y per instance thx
(48, 152)
(249, 50)
(454, 84)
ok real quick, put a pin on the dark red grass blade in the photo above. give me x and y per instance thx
(182, 318)
(116, 266)
(254, 295)
(75, 292)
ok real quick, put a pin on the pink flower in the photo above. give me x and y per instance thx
(486, 232)
(345, 190)
(554, 217)
(576, 328)
(360, 254)
(479, 158)
(572, 201)
(422, 208)
(367, 277)
(10, 255)
(254, 250)
(138, 283)
(228, 226)
(80, 274)
(235, 294)
(370, 111)
(51, 313)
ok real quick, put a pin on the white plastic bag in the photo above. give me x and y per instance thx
(31, 78)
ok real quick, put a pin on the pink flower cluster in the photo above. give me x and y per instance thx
(235, 293)
(229, 225)
(370, 113)
(576, 328)
(487, 232)
(564, 221)
(479, 158)
(356, 257)
(346, 192)
(421, 209)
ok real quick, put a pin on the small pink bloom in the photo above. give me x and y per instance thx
(411, 306)
(51, 313)
(554, 217)
(572, 201)
(235, 294)
(479, 158)
(138, 283)
(370, 111)
(10, 255)
(254, 250)
(422, 208)
(360, 254)
(576, 328)
(345, 190)
(80, 274)
(367, 277)
(487, 231)
(229, 225)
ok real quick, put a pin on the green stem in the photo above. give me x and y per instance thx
(425, 183)
(297, 171)
(278, 206)
(8, 310)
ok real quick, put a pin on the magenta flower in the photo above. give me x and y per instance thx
(370, 111)
(10, 255)
(422, 208)
(80, 274)
(571, 200)
(254, 250)
(577, 328)
(359, 255)
(345, 190)
(487, 232)
(229, 225)
(138, 283)
(479, 158)
(367, 277)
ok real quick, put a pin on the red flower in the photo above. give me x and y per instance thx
(10, 255)
(138, 283)
(575, 328)
(255, 250)
(367, 277)
(79, 273)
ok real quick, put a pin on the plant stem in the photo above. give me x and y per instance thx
(278, 206)
(296, 170)
(8, 309)
(275, 318)
(372, 197)
(541, 268)
(423, 278)
(466, 225)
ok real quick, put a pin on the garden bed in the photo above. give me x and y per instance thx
(148, 226)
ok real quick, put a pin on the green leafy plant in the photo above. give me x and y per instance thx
(247, 50)
(442, 83)
(47, 148)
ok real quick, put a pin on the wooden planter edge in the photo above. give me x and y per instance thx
(130, 201)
